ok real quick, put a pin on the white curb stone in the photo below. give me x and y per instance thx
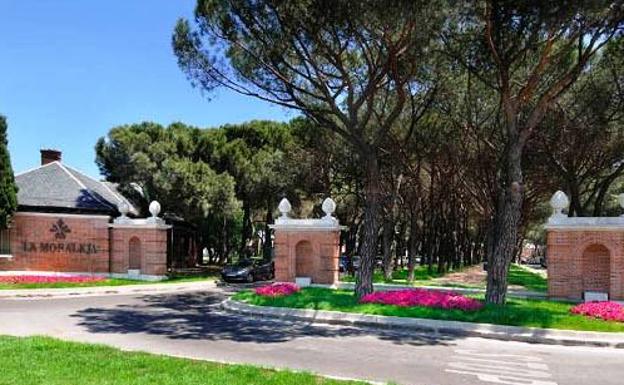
(497, 332)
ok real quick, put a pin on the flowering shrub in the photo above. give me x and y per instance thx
(26, 279)
(278, 289)
(606, 310)
(421, 297)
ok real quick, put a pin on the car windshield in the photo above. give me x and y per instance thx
(244, 263)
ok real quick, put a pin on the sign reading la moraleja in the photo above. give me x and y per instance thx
(60, 231)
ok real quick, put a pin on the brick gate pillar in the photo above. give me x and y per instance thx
(585, 255)
(307, 248)
(138, 247)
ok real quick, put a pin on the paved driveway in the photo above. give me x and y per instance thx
(191, 325)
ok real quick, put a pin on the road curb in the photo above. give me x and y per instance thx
(105, 290)
(436, 327)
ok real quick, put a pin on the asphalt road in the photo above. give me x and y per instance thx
(191, 325)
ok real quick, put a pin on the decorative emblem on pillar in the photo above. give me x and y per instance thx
(60, 229)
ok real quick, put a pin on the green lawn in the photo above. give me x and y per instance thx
(521, 276)
(106, 282)
(46, 361)
(421, 273)
(518, 276)
(517, 312)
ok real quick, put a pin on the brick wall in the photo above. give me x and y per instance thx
(318, 253)
(82, 243)
(581, 260)
(39, 244)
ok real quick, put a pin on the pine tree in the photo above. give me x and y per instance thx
(8, 189)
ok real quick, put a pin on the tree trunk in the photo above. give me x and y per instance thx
(247, 230)
(413, 249)
(575, 208)
(387, 239)
(224, 242)
(267, 247)
(372, 190)
(388, 231)
(505, 231)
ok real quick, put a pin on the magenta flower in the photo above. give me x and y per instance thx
(422, 297)
(278, 289)
(606, 310)
(30, 279)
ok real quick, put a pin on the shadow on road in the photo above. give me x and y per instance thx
(197, 316)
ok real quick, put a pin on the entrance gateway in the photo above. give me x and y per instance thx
(585, 255)
(68, 222)
(307, 250)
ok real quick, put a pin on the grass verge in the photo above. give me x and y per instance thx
(421, 275)
(521, 276)
(41, 360)
(518, 276)
(517, 312)
(106, 282)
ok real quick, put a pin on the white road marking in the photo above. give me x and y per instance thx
(508, 369)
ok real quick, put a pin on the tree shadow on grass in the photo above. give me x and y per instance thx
(197, 316)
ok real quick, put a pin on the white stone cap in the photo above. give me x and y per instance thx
(585, 223)
(139, 223)
(558, 220)
(327, 223)
(153, 222)
(306, 225)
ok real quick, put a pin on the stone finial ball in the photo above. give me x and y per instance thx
(123, 208)
(284, 206)
(329, 206)
(559, 200)
(154, 208)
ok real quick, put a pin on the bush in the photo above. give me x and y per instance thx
(278, 289)
(421, 297)
(606, 310)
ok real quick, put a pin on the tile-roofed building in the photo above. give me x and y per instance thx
(71, 223)
(55, 187)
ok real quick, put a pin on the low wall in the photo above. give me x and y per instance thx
(86, 244)
(58, 242)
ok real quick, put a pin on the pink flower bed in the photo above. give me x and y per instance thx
(421, 297)
(606, 310)
(278, 289)
(21, 279)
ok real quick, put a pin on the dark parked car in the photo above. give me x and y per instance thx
(248, 270)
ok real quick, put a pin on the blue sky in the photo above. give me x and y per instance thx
(72, 69)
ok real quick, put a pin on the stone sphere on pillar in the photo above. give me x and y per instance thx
(124, 209)
(154, 208)
(558, 202)
(284, 207)
(329, 206)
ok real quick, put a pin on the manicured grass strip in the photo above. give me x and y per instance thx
(521, 276)
(106, 282)
(517, 312)
(46, 361)
(421, 273)
(518, 276)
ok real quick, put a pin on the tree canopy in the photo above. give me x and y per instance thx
(441, 128)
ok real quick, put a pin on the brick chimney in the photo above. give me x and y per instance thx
(50, 155)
